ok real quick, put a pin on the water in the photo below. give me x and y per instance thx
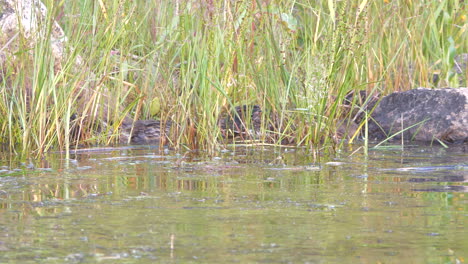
(254, 205)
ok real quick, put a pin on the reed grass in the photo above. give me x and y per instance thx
(197, 59)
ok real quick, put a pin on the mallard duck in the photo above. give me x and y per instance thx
(144, 132)
(241, 121)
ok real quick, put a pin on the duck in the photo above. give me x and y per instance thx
(144, 132)
(242, 121)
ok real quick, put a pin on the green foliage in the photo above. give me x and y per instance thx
(297, 59)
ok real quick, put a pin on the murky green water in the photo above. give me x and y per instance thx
(250, 206)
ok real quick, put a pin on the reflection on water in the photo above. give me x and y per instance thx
(249, 205)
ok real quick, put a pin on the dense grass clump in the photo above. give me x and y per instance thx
(192, 61)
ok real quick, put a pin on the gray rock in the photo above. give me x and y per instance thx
(22, 20)
(424, 115)
(460, 66)
(461, 63)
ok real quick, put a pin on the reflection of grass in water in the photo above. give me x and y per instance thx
(18, 173)
(389, 147)
(297, 61)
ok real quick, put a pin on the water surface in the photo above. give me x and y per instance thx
(252, 205)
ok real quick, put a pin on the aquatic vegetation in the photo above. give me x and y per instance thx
(190, 62)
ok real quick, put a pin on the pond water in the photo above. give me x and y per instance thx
(251, 205)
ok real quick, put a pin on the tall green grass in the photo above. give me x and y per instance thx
(197, 59)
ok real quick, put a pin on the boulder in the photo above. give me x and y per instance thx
(460, 68)
(423, 115)
(25, 21)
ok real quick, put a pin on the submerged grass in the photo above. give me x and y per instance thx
(191, 61)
